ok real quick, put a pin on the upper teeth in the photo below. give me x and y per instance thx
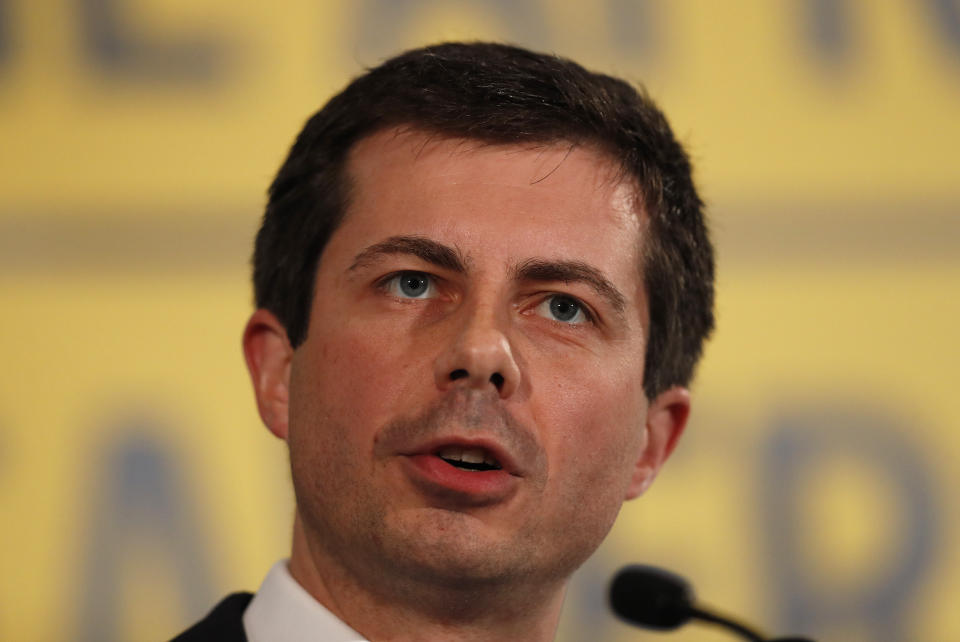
(468, 455)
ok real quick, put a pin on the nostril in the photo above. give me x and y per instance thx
(497, 380)
(458, 374)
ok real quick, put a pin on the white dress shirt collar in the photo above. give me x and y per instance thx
(283, 611)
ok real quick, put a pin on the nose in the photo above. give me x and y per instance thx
(478, 356)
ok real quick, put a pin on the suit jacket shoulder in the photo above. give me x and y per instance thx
(223, 624)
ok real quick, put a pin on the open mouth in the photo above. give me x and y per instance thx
(476, 459)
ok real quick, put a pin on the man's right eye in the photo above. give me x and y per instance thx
(410, 285)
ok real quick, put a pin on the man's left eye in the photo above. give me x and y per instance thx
(410, 285)
(564, 309)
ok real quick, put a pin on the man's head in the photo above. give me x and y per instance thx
(499, 94)
(458, 272)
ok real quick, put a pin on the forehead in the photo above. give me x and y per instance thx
(407, 175)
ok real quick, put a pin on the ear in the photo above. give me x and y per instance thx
(666, 419)
(268, 354)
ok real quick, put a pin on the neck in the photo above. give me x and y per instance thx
(389, 611)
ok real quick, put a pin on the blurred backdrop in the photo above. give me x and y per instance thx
(815, 490)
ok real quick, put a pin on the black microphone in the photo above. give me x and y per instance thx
(653, 598)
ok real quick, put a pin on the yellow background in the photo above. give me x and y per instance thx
(136, 483)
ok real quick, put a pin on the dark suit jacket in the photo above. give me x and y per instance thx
(223, 624)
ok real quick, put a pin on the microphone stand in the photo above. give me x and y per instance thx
(736, 627)
(727, 623)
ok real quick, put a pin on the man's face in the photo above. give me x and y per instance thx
(484, 304)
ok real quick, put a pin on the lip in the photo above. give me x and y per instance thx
(507, 463)
(451, 485)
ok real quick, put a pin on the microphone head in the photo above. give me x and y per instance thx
(651, 597)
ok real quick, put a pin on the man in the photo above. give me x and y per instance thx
(483, 281)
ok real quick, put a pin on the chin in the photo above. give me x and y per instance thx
(462, 552)
(454, 546)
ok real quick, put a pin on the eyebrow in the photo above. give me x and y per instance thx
(430, 251)
(450, 258)
(571, 272)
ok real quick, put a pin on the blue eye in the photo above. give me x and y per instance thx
(410, 285)
(564, 309)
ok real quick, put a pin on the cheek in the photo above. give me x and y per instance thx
(593, 431)
(363, 373)
(344, 387)
(596, 430)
